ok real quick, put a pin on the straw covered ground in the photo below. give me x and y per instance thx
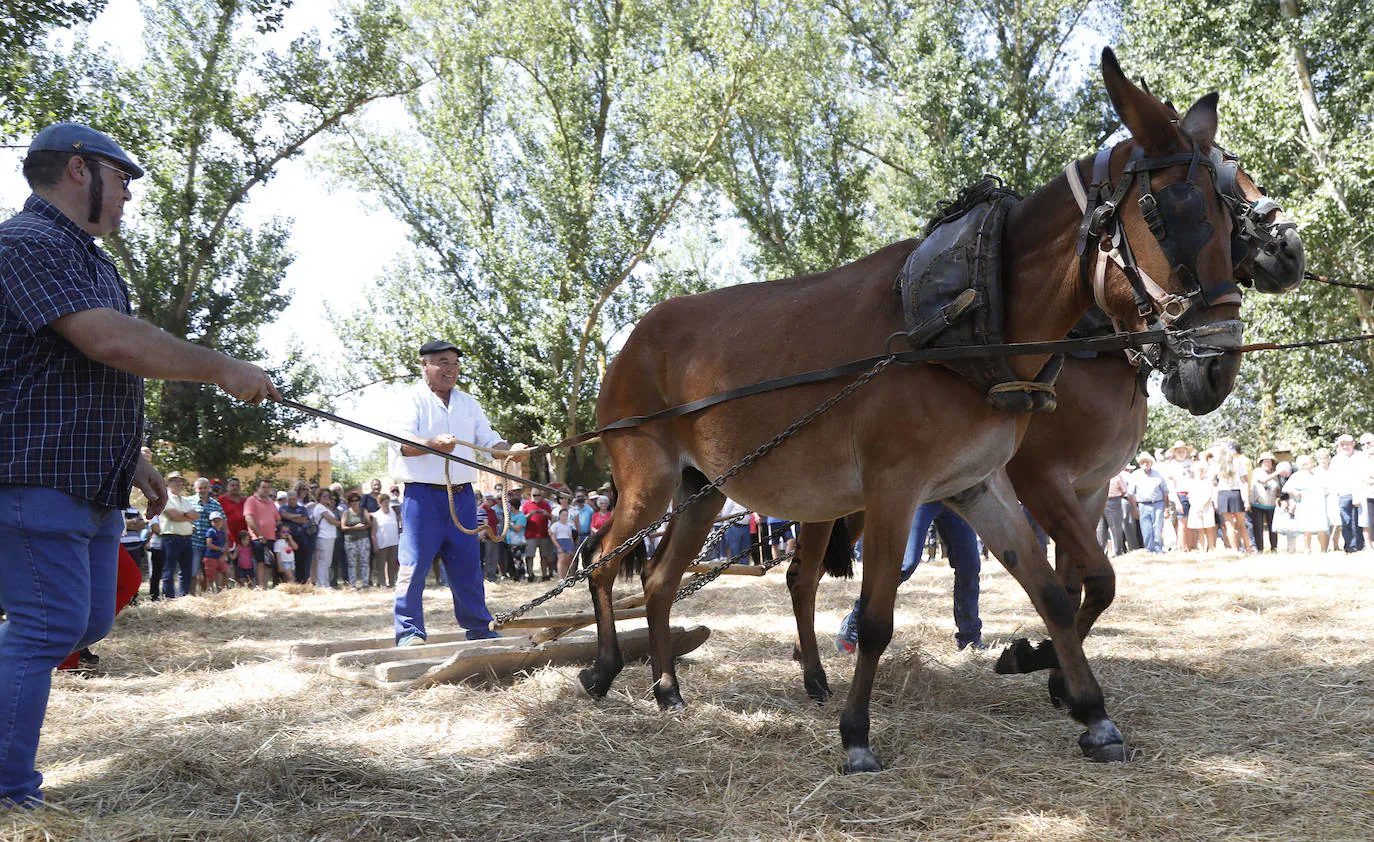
(1242, 685)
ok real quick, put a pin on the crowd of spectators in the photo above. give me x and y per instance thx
(216, 537)
(1189, 500)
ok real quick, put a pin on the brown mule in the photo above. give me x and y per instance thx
(914, 433)
(1061, 470)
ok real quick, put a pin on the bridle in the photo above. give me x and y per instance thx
(1176, 216)
(1250, 231)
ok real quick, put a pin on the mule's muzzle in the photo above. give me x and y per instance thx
(1279, 264)
(1200, 365)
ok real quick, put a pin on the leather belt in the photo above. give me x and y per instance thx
(457, 487)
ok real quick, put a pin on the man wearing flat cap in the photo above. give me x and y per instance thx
(436, 414)
(72, 363)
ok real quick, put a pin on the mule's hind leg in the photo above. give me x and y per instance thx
(885, 536)
(991, 509)
(663, 576)
(803, 578)
(645, 486)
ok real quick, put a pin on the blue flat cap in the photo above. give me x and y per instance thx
(79, 139)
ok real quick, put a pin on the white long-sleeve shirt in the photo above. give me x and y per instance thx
(420, 415)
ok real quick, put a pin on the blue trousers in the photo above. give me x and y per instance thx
(58, 557)
(1350, 523)
(737, 543)
(1152, 525)
(962, 543)
(177, 550)
(426, 531)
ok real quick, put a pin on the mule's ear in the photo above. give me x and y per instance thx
(1201, 120)
(1150, 122)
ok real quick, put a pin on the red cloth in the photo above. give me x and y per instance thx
(599, 519)
(128, 578)
(537, 514)
(234, 520)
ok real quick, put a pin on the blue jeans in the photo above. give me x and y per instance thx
(962, 543)
(427, 530)
(178, 551)
(1152, 525)
(737, 543)
(1350, 524)
(58, 557)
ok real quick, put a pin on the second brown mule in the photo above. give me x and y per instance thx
(914, 433)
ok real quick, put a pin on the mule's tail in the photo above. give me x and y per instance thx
(634, 559)
(839, 553)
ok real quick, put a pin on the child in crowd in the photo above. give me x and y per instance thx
(515, 537)
(561, 531)
(216, 567)
(243, 572)
(285, 549)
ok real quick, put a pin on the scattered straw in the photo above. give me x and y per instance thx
(1241, 683)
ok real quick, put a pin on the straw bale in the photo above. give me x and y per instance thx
(1241, 683)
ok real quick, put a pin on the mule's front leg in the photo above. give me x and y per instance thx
(885, 537)
(597, 678)
(991, 509)
(803, 578)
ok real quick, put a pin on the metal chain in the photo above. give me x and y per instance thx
(762, 450)
(706, 577)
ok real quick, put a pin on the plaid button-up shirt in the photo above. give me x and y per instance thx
(66, 421)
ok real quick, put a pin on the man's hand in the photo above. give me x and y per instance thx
(519, 452)
(247, 382)
(150, 482)
(445, 443)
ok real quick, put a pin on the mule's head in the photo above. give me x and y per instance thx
(1265, 246)
(1173, 226)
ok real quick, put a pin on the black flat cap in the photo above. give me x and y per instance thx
(434, 346)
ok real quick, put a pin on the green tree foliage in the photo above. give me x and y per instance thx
(25, 69)
(211, 117)
(1296, 80)
(559, 144)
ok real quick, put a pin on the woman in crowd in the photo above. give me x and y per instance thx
(1308, 492)
(386, 537)
(357, 530)
(1233, 498)
(326, 519)
(1264, 496)
(1202, 505)
(603, 512)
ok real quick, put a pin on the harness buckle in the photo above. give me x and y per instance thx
(1149, 209)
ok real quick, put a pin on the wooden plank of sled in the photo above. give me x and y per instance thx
(734, 569)
(555, 632)
(506, 659)
(585, 618)
(306, 651)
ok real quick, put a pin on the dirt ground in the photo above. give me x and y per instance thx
(1242, 685)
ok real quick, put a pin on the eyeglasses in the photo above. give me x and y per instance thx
(453, 366)
(124, 178)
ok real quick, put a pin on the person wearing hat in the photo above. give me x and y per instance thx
(437, 414)
(214, 562)
(1347, 479)
(1264, 497)
(1147, 492)
(178, 525)
(72, 363)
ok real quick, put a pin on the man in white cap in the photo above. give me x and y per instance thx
(437, 414)
(1348, 476)
(72, 363)
(1148, 492)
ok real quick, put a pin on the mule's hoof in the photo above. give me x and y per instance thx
(669, 701)
(818, 688)
(1103, 743)
(1021, 657)
(862, 760)
(592, 683)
